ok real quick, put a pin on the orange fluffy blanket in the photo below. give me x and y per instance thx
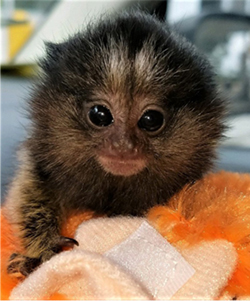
(208, 224)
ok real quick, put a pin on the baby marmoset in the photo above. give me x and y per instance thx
(125, 114)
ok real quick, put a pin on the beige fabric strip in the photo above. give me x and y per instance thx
(152, 261)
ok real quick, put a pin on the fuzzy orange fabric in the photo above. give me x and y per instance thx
(9, 245)
(216, 207)
(69, 228)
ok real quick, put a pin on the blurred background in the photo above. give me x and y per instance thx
(219, 28)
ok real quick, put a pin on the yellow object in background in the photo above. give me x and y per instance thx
(19, 33)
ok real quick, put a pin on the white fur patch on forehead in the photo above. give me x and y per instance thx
(145, 72)
(145, 62)
(149, 69)
(118, 67)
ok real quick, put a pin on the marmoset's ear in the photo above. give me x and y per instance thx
(54, 52)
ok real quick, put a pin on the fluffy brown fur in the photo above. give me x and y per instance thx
(129, 64)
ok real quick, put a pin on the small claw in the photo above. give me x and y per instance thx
(13, 256)
(67, 242)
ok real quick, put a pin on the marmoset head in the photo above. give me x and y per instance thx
(126, 99)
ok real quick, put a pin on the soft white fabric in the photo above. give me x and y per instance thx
(87, 273)
(214, 263)
(79, 274)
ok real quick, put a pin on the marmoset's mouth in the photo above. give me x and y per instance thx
(122, 166)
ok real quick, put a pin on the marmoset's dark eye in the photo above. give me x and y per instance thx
(151, 121)
(100, 116)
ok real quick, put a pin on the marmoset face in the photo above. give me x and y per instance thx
(127, 100)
